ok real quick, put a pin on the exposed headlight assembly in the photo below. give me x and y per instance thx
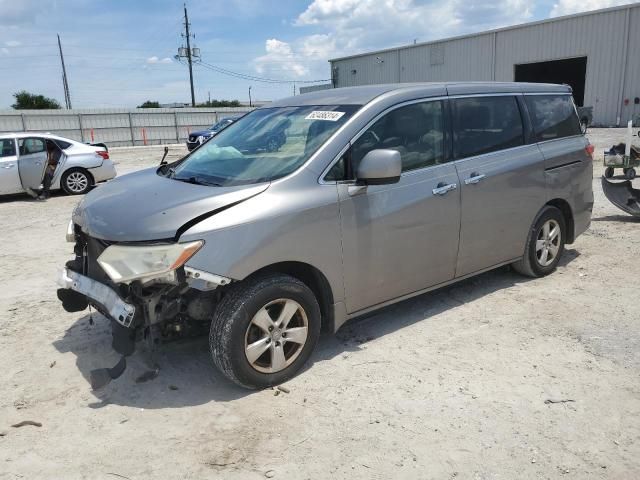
(124, 263)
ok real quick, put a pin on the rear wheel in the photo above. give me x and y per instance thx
(608, 172)
(264, 330)
(545, 244)
(630, 173)
(76, 181)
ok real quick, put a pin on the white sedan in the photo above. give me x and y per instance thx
(23, 159)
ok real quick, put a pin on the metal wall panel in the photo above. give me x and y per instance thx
(598, 37)
(118, 127)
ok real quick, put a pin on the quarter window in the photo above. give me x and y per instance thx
(486, 124)
(7, 147)
(416, 131)
(553, 116)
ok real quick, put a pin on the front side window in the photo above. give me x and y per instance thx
(416, 131)
(262, 146)
(7, 147)
(553, 116)
(485, 124)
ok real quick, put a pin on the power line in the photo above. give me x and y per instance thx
(254, 78)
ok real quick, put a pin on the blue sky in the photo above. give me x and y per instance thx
(120, 53)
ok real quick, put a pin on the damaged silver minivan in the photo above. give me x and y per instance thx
(374, 194)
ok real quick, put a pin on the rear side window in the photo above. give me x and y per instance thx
(7, 147)
(485, 124)
(553, 116)
(31, 145)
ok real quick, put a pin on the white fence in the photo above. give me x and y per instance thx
(140, 126)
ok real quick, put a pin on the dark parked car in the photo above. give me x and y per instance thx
(198, 138)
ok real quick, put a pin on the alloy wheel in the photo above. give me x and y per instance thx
(276, 335)
(77, 182)
(548, 243)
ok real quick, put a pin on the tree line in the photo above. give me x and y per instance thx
(31, 101)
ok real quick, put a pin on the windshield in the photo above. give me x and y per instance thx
(264, 145)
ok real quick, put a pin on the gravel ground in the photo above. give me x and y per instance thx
(462, 382)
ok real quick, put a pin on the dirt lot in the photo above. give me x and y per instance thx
(455, 383)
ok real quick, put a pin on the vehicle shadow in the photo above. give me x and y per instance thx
(617, 218)
(181, 373)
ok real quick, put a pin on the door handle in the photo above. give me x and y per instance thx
(474, 178)
(443, 188)
(9, 165)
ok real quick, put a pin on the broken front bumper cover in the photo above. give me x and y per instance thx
(119, 310)
(623, 196)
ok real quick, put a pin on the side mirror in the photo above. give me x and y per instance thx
(379, 167)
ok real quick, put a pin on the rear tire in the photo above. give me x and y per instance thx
(76, 181)
(608, 172)
(545, 244)
(247, 342)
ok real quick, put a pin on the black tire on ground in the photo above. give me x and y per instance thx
(608, 172)
(232, 320)
(630, 173)
(530, 265)
(76, 181)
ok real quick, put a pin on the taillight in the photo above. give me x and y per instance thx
(104, 154)
(590, 149)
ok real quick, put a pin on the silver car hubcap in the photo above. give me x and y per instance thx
(77, 182)
(276, 335)
(548, 243)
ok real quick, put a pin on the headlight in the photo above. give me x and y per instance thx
(125, 263)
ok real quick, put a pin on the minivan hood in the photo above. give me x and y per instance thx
(145, 206)
(201, 132)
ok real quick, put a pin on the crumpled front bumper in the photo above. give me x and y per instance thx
(116, 308)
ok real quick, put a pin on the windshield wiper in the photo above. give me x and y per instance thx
(198, 181)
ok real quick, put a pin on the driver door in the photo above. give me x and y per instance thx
(400, 238)
(32, 161)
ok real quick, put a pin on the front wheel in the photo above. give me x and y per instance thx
(630, 173)
(545, 244)
(608, 172)
(76, 181)
(264, 330)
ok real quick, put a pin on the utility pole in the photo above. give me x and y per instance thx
(250, 96)
(186, 27)
(65, 84)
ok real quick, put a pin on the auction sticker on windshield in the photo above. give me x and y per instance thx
(324, 115)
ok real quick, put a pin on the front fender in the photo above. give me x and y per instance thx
(299, 226)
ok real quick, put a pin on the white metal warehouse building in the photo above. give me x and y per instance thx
(597, 53)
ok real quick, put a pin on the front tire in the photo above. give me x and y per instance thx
(76, 181)
(545, 244)
(630, 173)
(608, 172)
(264, 330)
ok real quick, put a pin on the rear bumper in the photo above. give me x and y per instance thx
(106, 171)
(111, 303)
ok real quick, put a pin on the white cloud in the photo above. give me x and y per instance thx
(154, 60)
(13, 43)
(358, 25)
(567, 7)
(279, 61)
